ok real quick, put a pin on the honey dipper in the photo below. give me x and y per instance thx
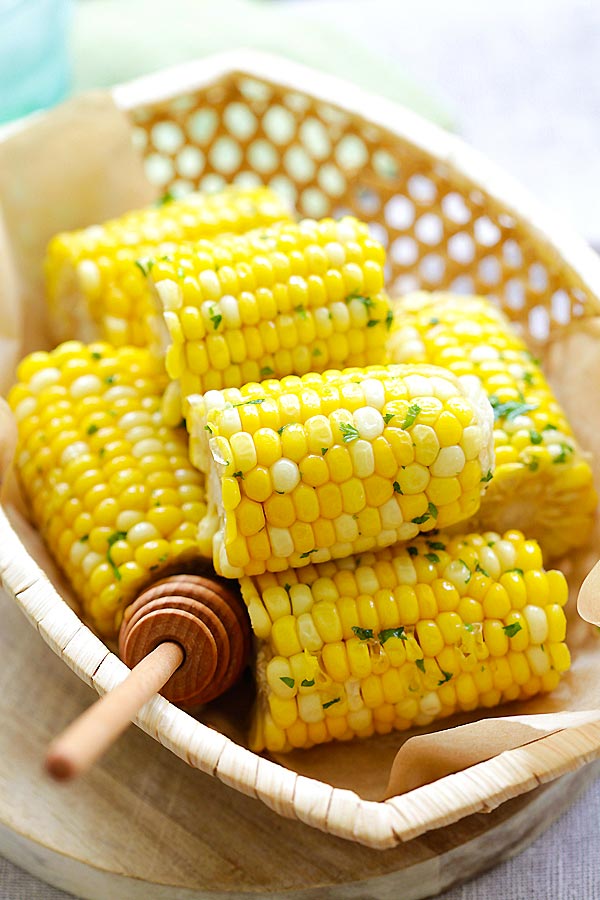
(187, 636)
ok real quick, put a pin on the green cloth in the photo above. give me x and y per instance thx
(116, 40)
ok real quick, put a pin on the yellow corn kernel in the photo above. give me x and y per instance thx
(112, 296)
(103, 506)
(541, 478)
(374, 660)
(355, 483)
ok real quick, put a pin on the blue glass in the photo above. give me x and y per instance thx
(34, 61)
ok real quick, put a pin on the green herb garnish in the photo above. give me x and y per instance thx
(388, 418)
(511, 409)
(266, 370)
(432, 557)
(413, 411)
(112, 539)
(256, 402)
(92, 429)
(289, 682)
(215, 317)
(420, 663)
(349, 432)
(447, 677)
(420, 520)
(468, 570)
(363, 634)
(487, 477)
(512, 629)
(168, 197)
(366, 301)
(331, 702)
(397, 488)
(562, 456)
(478, 568)
(436, 545)
(145, 266)
(430, 514)
(306, 683)
(388, 633)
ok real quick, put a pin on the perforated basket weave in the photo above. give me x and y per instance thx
(449, 221)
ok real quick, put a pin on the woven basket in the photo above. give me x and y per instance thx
(449, 220)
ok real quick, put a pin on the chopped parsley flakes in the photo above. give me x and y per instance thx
(349, 432)
(413, 411)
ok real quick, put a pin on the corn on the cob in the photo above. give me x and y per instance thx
(285, 300)
(401, 637)
(109, 485)
(542, 481)
(309, 469)
(96, 290)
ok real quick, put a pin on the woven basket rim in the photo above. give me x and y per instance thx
(343, 813)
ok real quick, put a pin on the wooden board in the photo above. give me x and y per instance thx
(143, 824)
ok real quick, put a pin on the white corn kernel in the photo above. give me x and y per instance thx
(170, 294)
(450, 462)
(86, 386)
(285, 475)
(535, 616)
(368, 422)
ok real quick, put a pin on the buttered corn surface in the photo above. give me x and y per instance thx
(95, 277)
(308, 469)
(110, 486)
(542, 481)
(289, 299)
(404, 636)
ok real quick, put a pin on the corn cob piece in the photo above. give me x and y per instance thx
(309, 469)
(109, 486)
(542, 480)
(402, 637)
(285, 300)
(96, 290)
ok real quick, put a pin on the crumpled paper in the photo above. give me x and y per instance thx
(76, 166)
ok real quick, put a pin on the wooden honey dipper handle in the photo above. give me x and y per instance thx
(187, 636)
(87, 738)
